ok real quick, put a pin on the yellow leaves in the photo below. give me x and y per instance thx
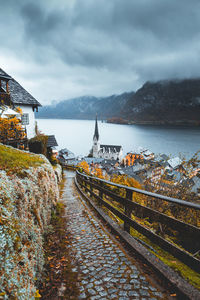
(98, 173)
(125, 180)
(11, 128)
(84, 165)
(37, 295)
(19, 110)
(2, 294)
(50, 258)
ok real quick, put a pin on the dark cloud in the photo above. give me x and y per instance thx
(99, 47)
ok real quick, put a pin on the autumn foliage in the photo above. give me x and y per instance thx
(11, 128)
(84, 165)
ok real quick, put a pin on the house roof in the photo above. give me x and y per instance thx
(130, 172)
(17, 93)
(107, 163)
(51, 141)
(139, 168)
(94, 160)
(110, 148)
(66, 153)
(147, 153)
(5, 77)
(196, 186)
(174, 162)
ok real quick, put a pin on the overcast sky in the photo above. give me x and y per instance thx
(59, 49)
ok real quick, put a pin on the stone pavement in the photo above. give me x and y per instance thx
(105, 270)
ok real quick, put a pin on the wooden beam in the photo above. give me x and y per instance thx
(7, 87)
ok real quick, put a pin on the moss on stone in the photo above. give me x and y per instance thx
(14, 161)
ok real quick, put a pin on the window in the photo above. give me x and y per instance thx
(25, 119)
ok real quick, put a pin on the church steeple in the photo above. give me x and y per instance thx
(96, 131)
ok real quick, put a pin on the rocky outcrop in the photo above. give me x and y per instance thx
(58, 172)
(26, 203)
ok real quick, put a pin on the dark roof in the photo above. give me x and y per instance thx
(51, 141)
(94, 160)
(139, 168)
(18, 94)
(112, 148)
(107, 163)
(196, 182)
(4, 77)
(96, 131)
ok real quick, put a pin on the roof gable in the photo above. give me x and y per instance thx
(18, 94)
(51, 142)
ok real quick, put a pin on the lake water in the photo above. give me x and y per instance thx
(76, 135)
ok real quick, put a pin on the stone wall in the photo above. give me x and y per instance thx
(26, 202)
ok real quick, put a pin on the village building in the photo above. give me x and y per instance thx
(111, 152)
(196, 185)
(12, 94)
(131, 158)
(147, 154)
(66, 157)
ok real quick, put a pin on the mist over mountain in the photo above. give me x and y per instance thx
(167, 101)
(161, 102)
(86, 107)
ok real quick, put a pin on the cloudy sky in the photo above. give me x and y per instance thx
(59, 49)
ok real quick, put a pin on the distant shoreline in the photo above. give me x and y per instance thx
(128, 122)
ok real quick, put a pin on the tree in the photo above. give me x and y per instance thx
(11, 130)
(84, 165)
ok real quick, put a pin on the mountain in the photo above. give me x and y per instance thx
(86, 107)
(167, 102)
(162, 102)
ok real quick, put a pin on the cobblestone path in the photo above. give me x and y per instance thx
(105, 271)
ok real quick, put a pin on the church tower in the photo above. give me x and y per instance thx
(96, 143)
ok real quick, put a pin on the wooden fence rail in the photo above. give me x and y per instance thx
(102, 191)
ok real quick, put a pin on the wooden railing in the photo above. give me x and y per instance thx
(107, 195)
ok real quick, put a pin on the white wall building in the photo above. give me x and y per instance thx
(105, 151)
(13, 94)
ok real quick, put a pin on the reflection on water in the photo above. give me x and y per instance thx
(77, 135)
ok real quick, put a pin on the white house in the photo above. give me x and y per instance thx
(14, 95)
(105, 151)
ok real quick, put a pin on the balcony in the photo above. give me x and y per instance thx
(15, 138)
(5, 98)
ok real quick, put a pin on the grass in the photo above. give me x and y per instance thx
(15, 161)
(191, 276)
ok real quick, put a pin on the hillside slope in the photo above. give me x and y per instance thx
(174, 101)
(163, 102)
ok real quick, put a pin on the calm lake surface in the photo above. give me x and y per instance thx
(76, 135)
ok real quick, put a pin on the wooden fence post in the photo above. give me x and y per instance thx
(128, 210)
(91, 188)
(100, 193)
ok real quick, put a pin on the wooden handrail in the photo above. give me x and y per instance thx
(150, 194)
(93, 184)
